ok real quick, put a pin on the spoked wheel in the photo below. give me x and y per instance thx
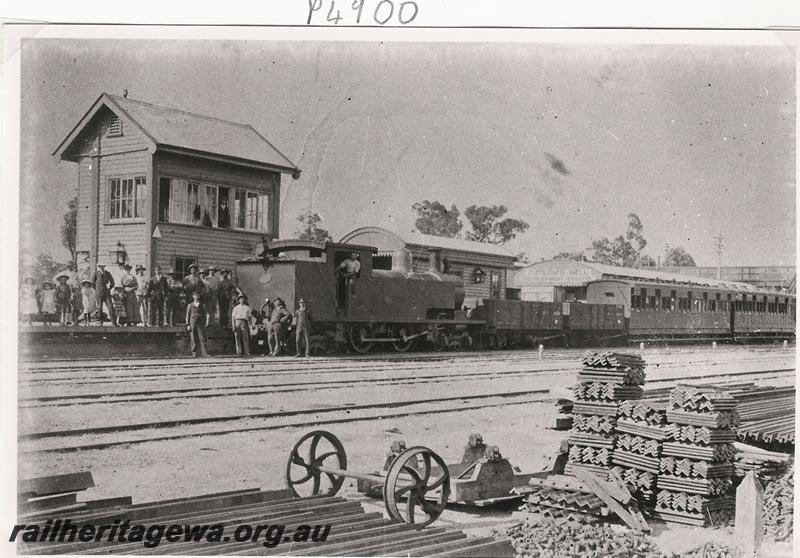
(410, 494)
(402, 346)
(438, 340)
(357, 335)
(314, 450)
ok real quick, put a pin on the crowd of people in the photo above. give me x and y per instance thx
(202, 299)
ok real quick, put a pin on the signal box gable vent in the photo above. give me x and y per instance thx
(114, 127)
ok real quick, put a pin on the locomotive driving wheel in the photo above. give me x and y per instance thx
(403, 345)
(358, 333)
(409, 478)
(312, 451)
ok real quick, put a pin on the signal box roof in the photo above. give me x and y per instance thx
(185, 132)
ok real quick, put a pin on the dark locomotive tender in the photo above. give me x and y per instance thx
(401, 308)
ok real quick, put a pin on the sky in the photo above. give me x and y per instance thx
(697, 140)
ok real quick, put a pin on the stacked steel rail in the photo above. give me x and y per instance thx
(641, 430)
(353, 532)
(767, 415)
(605, 380)
(696, 466)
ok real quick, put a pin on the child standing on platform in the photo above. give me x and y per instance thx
(88, 300)
(48, 295)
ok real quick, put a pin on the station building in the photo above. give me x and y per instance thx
(161, 186)
(484, 268)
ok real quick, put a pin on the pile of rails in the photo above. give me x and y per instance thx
(605, 380)
(641, 430)
(560, 497)
(767, 415)
(696, 466)
(767, 465)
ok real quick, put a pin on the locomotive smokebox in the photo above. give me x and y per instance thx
(435, 259)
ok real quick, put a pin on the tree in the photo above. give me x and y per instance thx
(69, 230)
(647, 261)
(678, 256)
(46, 268)
(310, 229)
(488, 225)
(625, 250)
(434, 218)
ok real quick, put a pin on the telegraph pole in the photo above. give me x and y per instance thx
(720, 247)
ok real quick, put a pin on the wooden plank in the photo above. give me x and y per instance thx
(55, 484)
(634, 521)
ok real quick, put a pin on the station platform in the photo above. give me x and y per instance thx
(37, 342)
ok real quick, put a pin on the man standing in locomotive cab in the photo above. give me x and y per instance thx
(347, 271)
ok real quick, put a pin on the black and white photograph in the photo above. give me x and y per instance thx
(465, 293)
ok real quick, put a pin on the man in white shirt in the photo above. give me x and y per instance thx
(241, 326)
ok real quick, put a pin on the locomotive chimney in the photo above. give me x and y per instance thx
(435, 259)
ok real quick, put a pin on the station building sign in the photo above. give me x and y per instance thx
(565, 273)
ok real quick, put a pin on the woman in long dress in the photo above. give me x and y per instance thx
(129, 286)
(28, 300)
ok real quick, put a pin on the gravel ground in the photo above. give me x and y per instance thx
(201, 465)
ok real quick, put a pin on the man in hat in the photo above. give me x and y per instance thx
(212, 295)
(241, 326)
(265, 314)
(142, 300)
(103, 283)
(156, 292)
(224, 297)
(279, 320)
(347, 271)
(63, 298)
(302, 328)
(194, 282)
(174, 295)
(195, 324)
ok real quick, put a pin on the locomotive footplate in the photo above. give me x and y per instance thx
(483, 477)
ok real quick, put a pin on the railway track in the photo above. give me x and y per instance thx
(124, 394)
(155, 426)
(103, 437)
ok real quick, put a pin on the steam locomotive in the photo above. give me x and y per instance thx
(401, 309)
